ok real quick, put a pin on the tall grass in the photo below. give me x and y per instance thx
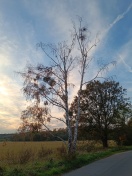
(48, 158)
(24, 152)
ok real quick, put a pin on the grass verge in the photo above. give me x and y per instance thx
(57, 168)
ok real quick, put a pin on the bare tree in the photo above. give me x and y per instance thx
(50, 84)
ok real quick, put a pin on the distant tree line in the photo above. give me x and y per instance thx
(6, 137)
(41, 135)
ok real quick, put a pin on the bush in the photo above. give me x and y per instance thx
(2, 171)
(16, 172)
(128, 140)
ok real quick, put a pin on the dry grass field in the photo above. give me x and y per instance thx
(49, 158)
(23, 152)
(13, 153)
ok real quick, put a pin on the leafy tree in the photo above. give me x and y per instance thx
(121, 131)
(33, 118)
(51, 84)
(104, 107)
(128, 134)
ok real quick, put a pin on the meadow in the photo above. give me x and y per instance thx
(48, 158)
(12, 153)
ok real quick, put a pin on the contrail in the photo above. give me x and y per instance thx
(127, 66)
(118, 18)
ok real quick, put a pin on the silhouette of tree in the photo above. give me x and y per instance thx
(51, 84)
(103, 107)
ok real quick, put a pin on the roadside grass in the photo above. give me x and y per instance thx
(56, 167)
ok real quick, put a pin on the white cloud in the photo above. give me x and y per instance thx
(11, 103)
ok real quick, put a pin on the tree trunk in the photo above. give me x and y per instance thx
(105, 141)
(69, 140)
(75, 136)
(78, 109)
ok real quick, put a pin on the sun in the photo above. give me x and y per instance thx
(3, 90)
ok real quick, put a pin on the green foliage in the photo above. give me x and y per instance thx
(16, 172)
(128, 140)
(2, 171)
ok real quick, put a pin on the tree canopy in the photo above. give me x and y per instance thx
(104, 106)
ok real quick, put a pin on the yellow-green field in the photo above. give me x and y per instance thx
(35, 146)
(24, 152)
(49, 158)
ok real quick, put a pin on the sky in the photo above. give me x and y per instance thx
(24, 23)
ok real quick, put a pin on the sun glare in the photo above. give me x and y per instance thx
(3, 90)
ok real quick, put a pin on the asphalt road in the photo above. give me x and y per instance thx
(116, 165)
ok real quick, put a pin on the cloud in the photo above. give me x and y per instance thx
(8, 125)
(11, 103)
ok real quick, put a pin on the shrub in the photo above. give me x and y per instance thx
(2, 171)
(16, 172)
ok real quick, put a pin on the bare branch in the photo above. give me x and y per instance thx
(100, 70)
(54, 135)
(57, 119)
